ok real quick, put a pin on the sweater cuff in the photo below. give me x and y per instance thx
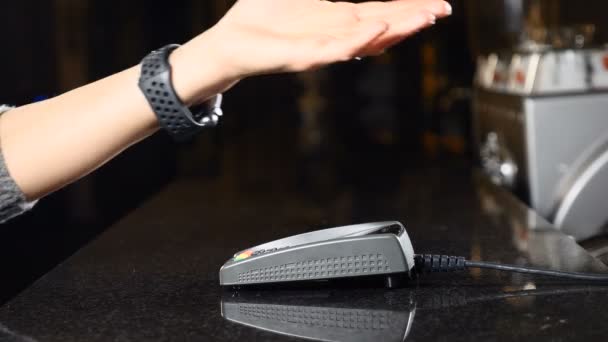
(12, 199)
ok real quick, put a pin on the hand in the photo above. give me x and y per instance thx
(269, 36)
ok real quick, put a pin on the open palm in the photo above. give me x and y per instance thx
(267, 36)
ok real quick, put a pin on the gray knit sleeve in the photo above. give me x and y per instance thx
(12, 199)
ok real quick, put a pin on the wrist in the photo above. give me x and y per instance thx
(199, 72)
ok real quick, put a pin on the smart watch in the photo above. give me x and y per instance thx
(176, 118)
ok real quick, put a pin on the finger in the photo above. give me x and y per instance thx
(383, 10)
(408, 21)
(346, 48)
(401, 24)
(372, 9)
(400, 31)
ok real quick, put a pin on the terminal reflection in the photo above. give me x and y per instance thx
(368, 314)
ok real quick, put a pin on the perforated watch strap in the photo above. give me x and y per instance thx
(173, 116)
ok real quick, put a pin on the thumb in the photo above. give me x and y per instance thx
(351, 45)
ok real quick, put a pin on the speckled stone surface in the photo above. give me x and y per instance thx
(154, 275)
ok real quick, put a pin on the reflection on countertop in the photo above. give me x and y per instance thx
(324, 315)
(378, 315)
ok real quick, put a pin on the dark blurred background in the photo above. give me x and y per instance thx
(354, 127)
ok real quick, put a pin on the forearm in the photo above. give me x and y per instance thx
(50, 144)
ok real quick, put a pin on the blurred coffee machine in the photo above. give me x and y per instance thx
(541, 108)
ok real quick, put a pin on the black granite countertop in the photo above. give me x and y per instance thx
(154, 275)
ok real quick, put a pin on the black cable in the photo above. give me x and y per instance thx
(442, 263)
(538, 271)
